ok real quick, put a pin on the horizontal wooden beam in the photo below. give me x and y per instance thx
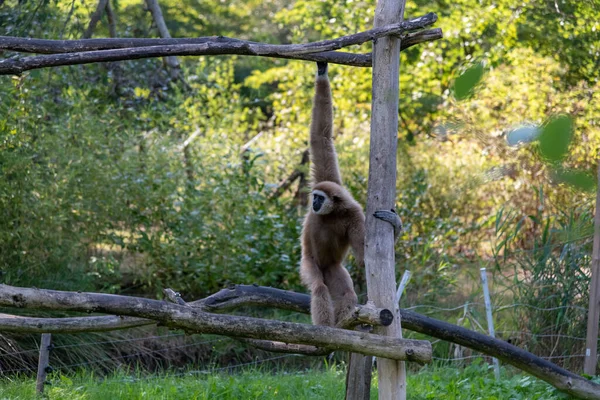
(75, 52)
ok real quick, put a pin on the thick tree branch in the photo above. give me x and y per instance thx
(49, 46)
(249, 295)
(13, 323)
(317, 51)
(196, 320)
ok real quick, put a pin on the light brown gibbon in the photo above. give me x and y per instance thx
(334, 222)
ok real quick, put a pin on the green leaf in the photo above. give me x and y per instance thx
(465, 83)
(576, 178)
(556, 137)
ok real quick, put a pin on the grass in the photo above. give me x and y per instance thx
(433, 382)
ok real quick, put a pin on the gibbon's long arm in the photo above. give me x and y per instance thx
(322, 151)
(356, 234)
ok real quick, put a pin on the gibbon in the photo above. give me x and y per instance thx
(334, 222)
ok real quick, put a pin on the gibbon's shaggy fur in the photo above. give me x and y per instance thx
(334, 222)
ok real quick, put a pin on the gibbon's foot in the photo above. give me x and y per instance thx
(392, 218)
(321, 68)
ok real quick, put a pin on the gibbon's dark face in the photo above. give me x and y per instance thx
(318, 200)
(329, 197)
(322, 204)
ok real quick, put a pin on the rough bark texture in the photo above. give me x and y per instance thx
(195, 320)
(11, 323)
(358, 374)
(381, 194)
(49, 46)
(249, 295)
(368, 314)
(317, 51)
(246, 295)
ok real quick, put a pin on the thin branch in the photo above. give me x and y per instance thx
(112, 20)
(96, 15)
(196, 320)
(317, 51)
(281, 347)
(69, 15)
(301, 195)
(285, 184)
(189, 140)
(159, 20)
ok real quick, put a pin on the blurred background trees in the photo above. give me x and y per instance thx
(115, 178)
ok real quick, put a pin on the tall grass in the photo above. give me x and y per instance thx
(432, 382)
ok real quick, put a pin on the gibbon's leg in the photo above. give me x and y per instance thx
(321, 306)
(392, 218)
(342, 292)
(322, 151)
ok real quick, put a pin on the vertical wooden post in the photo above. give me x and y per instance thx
(591, 342)
(358, 375)
(381, 194)
(490, 320)
(43, 362)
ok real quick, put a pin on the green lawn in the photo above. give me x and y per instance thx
(474, 382)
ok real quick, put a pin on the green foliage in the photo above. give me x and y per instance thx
(553, 275)
(464, 85)
(578, 179)
(555, 138)
(473, 382)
